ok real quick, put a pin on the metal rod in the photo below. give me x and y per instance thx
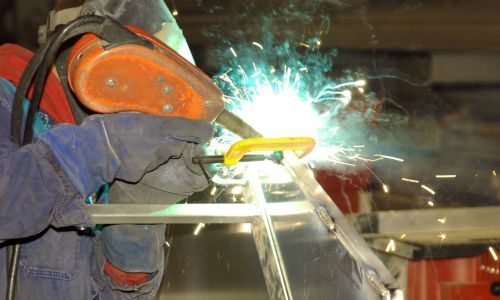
(219, 159)
(236, 125)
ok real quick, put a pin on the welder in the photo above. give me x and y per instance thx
(45, 183)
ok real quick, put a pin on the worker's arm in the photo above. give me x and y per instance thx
(47, 181)
(35, 191)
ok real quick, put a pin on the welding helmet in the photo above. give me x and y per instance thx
(120, 55)
(152, 16)
(125, 55)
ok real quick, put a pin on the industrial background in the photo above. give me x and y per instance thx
(435, 67)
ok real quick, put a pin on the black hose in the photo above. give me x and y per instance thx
(78, 27)
(13, 267)
(22, 91)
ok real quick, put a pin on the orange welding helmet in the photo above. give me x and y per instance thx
(132, 56)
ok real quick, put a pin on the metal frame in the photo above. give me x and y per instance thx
(259, 215)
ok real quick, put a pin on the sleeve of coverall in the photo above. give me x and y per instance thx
(35, 190)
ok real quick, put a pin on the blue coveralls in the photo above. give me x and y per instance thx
(39, 201)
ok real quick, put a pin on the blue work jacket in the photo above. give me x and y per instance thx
(40, 204)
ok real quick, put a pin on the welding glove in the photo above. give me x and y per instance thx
(169, 183)
(121, 146)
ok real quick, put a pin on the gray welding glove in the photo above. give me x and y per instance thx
(121, 146)
(171, 182)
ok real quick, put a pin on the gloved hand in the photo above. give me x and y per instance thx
(122, 145)
(169, 183)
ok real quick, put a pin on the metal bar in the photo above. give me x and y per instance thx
(268, 246)
(219, 159)
(171, 214)
(236, 125)
(191, 213)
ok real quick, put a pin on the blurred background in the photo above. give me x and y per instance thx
(434, 68)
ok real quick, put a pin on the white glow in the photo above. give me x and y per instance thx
(213, 190)
(198, 228)
(258, 45)
(431, 191)
(233, 52)
(442, 236)
(386, 188)
(360, 83)
(245, 228)
(389, 157)
(398, 295)
(236, 190)
(493, 253)
(410, 180)
(280, 112)
(391, 246)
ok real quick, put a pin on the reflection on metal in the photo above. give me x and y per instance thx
(428, 226)
(401, 249)
(268, 248)
(171, 214)
(191, 213)
(325, 218)
(345, 232)
(378, 285)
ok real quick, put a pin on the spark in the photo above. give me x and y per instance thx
(386, 188)
(442, 220)
(430, 203)
(198, 228)
(389, 157)
(493, 253)
(361, 90)
(428, 189)
(442, 236)
(213, 190)
(304, 45)
(241, 69)
(357, 83)
(258, 45)
(494, 173)
(446, 176)
(409, 180)
(391, 246)
(279, 102)
(237, 190)
(175, 12)
(245, 228)
(318, 42)
(167, 244)
(403, 236)
(233, 52)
